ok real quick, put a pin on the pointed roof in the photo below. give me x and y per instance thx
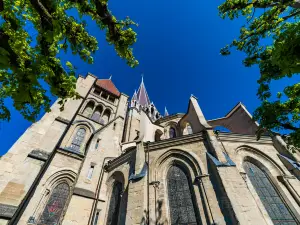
(134, 97)
(166, 112)
(108, 85)
(142, 96)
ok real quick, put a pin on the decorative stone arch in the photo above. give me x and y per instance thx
(107, 115)
(97, 113)
(117, 177)
(274, 172)
(88, 100)
(64, 175)
(88, 108)
(260, 158)
(85, 123)
(158, 167)
(192, 167)
(174, 125)
(184, 130)
(158, 135)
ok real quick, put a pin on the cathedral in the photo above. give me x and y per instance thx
(111, 159)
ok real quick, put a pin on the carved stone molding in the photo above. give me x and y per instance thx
(155, 184)
(7, 211)
(39, 155)
(63, 120)
(84, 193)
(200, 177)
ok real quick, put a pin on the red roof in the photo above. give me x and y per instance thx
(109, 86)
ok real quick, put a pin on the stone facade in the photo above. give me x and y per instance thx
(106, 160)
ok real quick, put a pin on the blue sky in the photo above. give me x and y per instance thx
(178, 50)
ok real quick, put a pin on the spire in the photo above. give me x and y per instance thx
(142, 96)
(110, 77)
(166, 112)
(134, 97)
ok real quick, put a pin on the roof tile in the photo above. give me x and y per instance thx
(108, 85)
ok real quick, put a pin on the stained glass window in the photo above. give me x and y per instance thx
(182, 211)
(55, 205)
(172, 133)
(78, 139)
(269, 196)
(114, 205)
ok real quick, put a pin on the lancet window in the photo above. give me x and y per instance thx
(55, 206)
(182, 210)
(78, 139)
(272, 201)
(114, 205)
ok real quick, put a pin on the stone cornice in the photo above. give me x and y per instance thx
(170, 117)
(245, 138)
(174, 141)
(119, 160)
(7, 211)
(62, 120)
(84, 193)
(39, 155)
(72, 154)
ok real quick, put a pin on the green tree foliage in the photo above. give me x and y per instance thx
(30, 58)
(271, 39)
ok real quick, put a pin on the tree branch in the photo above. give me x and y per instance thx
(289, 126)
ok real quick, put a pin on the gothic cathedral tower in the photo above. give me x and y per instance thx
(110, 160)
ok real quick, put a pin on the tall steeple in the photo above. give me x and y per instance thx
(141, 101)
(142, 95)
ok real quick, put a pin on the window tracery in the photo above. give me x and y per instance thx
(78, 139)
(273, 203)
(182, 211)
(55, 206)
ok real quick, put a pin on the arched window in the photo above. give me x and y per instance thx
(158, 134)
(55, 206)
(269, 196)
(189, 128)
(89, 109)
(182, 210)
(97, 113)
(172, 132)
(114, 205)
(78, 139)
(106, 116)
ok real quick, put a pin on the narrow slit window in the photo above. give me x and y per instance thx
(97, 144)
(96, 218)
(277, 209)
(90, 172)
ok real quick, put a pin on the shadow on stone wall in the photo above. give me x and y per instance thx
(158, 213)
